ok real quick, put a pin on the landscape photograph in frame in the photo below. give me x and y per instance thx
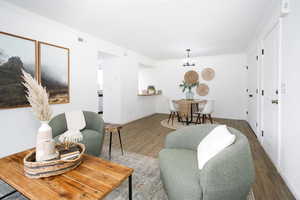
(54, 72)
(16, 53)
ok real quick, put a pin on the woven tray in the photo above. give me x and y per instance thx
(35, 169)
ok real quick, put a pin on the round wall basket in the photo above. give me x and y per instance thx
(208, 74)
(202, 89)
(191, 77)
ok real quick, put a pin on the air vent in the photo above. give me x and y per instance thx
(80, 39)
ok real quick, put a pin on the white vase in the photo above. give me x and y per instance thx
(45, 146)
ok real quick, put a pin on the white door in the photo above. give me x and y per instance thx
(270, 68)
(252, 90)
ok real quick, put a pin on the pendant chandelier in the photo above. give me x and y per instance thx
(188, 61)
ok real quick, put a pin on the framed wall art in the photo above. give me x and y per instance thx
(54, 71)
(16, 53)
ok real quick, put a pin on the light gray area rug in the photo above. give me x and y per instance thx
(146, 181)
(177, 125)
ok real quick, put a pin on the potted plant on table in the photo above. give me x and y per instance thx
(189, 94)
(38, 98)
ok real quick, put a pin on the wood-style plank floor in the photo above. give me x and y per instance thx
(146, 136)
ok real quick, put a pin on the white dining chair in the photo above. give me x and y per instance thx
(206, 112)
(173, 107)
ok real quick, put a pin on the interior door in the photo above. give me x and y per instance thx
(270, 94)
(252, 90)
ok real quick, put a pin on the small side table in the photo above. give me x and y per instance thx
(113, 129)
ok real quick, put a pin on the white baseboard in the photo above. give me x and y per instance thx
(292, 188)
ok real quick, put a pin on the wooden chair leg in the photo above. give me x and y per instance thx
(203, 119)
(170, 115)
(210, 118)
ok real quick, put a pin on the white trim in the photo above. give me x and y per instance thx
(279, 94)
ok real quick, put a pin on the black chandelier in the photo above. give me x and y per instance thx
(188, 61)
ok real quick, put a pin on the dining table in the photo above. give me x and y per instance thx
(187, 106)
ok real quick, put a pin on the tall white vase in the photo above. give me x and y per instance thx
(45, 146)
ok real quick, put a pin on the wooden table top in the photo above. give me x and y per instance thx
(112, 127)
(191, 101)
(93, 179)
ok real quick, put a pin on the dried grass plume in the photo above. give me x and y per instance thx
(38, 97)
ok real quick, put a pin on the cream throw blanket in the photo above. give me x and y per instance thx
(75, 123)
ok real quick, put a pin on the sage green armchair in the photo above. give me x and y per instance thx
(93, 133)
(227, 176)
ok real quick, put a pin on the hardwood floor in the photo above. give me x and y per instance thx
(146, 136)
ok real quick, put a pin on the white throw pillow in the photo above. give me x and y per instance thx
(217, 140)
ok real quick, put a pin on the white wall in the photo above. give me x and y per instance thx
(134, 106)
(121, 101)
(146, 77)
(290, 139)
(112, 111)
(18, 126)
(228, 88)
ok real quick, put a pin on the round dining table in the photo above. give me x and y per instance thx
(187, 106)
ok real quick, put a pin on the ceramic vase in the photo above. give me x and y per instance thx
(45, 145)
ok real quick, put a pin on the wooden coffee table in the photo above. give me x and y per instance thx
(93, 179)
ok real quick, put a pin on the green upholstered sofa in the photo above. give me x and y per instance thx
(227, 176)
(93, 133)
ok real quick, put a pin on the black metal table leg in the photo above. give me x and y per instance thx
(7, 195)
(120, 142)
(110, 141)
(130, 187)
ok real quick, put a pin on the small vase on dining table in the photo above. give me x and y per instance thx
(189, 95)
(45, 145)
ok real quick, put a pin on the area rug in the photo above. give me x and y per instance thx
(176, 124)
(146, 179)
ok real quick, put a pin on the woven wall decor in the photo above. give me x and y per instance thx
(202, 89)
(191, 77)
(208, 74)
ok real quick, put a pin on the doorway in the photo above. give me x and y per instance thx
(253, 91)
(269, 93)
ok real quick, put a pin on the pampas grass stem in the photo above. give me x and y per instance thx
(38, 97)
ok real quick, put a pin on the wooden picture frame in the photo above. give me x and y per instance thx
(12, 59)
(55, 76)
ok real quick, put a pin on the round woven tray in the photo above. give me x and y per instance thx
(42, 169)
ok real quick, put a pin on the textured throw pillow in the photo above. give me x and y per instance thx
(217, 140)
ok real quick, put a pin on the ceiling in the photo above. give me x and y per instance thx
(161, 29)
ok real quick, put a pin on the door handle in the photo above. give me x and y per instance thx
(250, 95)
(274, 101)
